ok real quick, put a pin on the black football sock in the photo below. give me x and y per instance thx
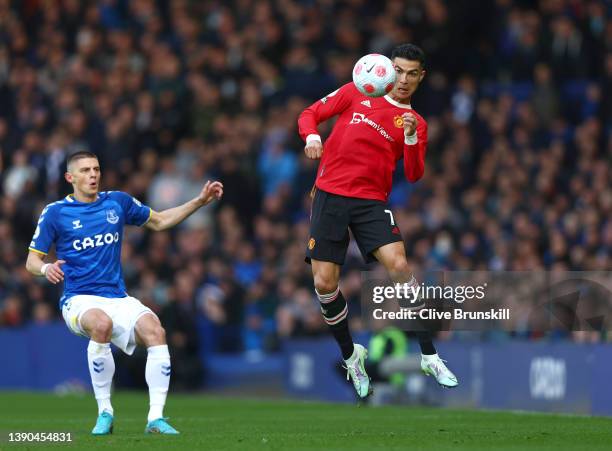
(425, 342)
(335, 314)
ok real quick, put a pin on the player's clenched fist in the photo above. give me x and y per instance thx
(210, 192)
(53, 271)
(410, 124)
(314, 150)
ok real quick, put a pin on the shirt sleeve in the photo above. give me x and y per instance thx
(135, 212)
(330, 105)
(45, 233)
(415, 148)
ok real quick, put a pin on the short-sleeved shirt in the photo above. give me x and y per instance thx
(88, 237)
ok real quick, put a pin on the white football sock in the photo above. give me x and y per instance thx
(101, 370)
(429, 358)
(157, 374)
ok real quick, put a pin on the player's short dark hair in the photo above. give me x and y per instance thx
(410, 52)
(79, 155)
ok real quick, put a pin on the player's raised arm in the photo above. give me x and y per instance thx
(169, 218)
(415, 146)
(329, 106)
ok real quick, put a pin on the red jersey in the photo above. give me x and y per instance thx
(362, 151)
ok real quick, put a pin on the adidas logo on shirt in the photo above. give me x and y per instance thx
(366, 103)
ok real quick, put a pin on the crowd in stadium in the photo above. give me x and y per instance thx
(171, 93)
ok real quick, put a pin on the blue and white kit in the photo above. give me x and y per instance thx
(88, 236)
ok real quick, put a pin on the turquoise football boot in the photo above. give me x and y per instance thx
(104, 425)
(160, 426)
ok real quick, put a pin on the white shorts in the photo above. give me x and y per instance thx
(124, 312)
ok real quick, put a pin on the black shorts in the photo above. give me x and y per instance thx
(370, 221)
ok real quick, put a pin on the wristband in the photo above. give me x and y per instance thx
(312, 137)
(411, 140)
(43, 268)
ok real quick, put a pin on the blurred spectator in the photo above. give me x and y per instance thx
(545, 98)
(298, 314)
(277, 165)
(178, 319)
(18, 175)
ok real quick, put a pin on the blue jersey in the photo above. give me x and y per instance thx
(88, 237)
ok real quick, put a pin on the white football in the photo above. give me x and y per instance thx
(374, 75)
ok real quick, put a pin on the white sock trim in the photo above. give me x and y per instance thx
(429, 357)
(98, 348)
(158, 351)
(329, 297)
(339, 317)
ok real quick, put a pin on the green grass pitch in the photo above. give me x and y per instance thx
(226, 423)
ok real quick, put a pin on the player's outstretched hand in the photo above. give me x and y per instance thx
(314, 150)
(410, 124)
(210, 192)
(54, 273)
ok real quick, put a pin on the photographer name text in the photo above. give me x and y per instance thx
(435, 314)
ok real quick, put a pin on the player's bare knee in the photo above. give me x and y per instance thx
(325, 283)
(102, 329)
(154, 336)
(399, 266)
(160, 335)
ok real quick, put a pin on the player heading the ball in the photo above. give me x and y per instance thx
(352, 186)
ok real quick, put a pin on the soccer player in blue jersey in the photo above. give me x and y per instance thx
(87, 229)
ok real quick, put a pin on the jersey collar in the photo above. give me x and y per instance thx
(396, 103)
(70, 198)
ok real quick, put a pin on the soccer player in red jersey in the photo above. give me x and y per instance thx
(351, 191)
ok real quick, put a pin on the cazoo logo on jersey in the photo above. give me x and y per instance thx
(96, 241)
(358, 118)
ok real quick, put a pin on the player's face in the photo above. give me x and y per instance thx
(84, 175)
(409, 75)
